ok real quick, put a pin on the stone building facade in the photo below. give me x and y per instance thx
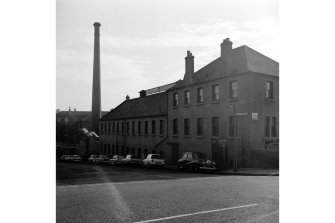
(137, 126)
(203, 106)
(199, 113)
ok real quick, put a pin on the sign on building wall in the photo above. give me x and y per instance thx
(271, 143)
(254, 116)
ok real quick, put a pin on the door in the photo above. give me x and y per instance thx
(220, 154)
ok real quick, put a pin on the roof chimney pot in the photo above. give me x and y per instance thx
(127, 97)
(226, 47)
(143, 93)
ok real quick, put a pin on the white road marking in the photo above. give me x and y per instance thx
(196, 213)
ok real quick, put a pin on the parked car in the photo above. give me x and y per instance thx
(154, 160)
(76, 158)
(93, 159)
(132, 160)
(116, 160)
(195, 161)
(66, 158)
(103, 159)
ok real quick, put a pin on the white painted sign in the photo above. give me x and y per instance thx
(254, 116)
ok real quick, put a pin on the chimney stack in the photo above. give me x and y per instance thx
(127, 97)
(226, 47)
(143, 93)
(189, 67)
(96, 92)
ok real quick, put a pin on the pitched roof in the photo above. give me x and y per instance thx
(243, 59)
(150, 105)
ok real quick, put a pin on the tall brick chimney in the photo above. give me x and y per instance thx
(96, 91)
(189, 67)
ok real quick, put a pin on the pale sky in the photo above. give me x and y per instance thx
(143, 43)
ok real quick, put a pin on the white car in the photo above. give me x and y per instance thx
(154, 160)
(132, 160)
(76, 158)
(93, 159)
(66, 157)
(116, 160)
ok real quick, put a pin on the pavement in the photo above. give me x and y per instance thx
(103, 193)
(241, 171)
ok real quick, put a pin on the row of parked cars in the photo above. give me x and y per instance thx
(195, 161)
(150, 160)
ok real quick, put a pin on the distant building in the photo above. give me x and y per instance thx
(199, 113)
(68, 126)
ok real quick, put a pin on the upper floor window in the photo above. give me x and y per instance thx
(145, 127)
(113, 127)
(175, 127)
(187, 97)
(101, 127)
(200, 95)
(215, 126)
(122, 127)
(175, 99)
(186, 127)
(233, 88)
(109, 128)
(153, 127)
(117, 128)
(270, 126)
(200, 127)
(139, 127)
(269, 90)
(215, 92)
(161, 127)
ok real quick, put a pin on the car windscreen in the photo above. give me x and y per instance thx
(199, 155)
(155, 157)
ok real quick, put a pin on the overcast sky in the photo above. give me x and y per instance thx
(143, 43)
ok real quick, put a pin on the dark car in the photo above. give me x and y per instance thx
(195, 161)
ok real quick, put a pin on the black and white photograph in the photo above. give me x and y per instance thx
(167, 111)
(138, 111)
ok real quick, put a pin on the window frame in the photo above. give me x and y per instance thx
(200, 97)
(215, 95)
(187, 97)
(175, 99)
(200, 127)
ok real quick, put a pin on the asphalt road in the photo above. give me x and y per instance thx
(93, 193)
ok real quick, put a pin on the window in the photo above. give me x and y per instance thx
(269, 90)
(109, 149)
(215, 92)
(232, 126)
(186, 127)
(187, 98)
(175, 99)
(127, 149)
(139, 127)
(161, 127)
(127, 128)
(270, 126)
(113, 150)
(117, 150)
(105, 148)
(113, 127)
(109, 128)
(117, 127)
(175, 126)
(122, 151)
(139, 153)
(101, 127)
(133, 151)
(200, 127)
(200, 95)
(133, 128)
(215, 126)
(153, 127)
(105, 127)
(145, 152)
(122, 127)
(146, 127)
(233, 87)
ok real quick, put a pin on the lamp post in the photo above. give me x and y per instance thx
(235, 137)
(235, 133)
